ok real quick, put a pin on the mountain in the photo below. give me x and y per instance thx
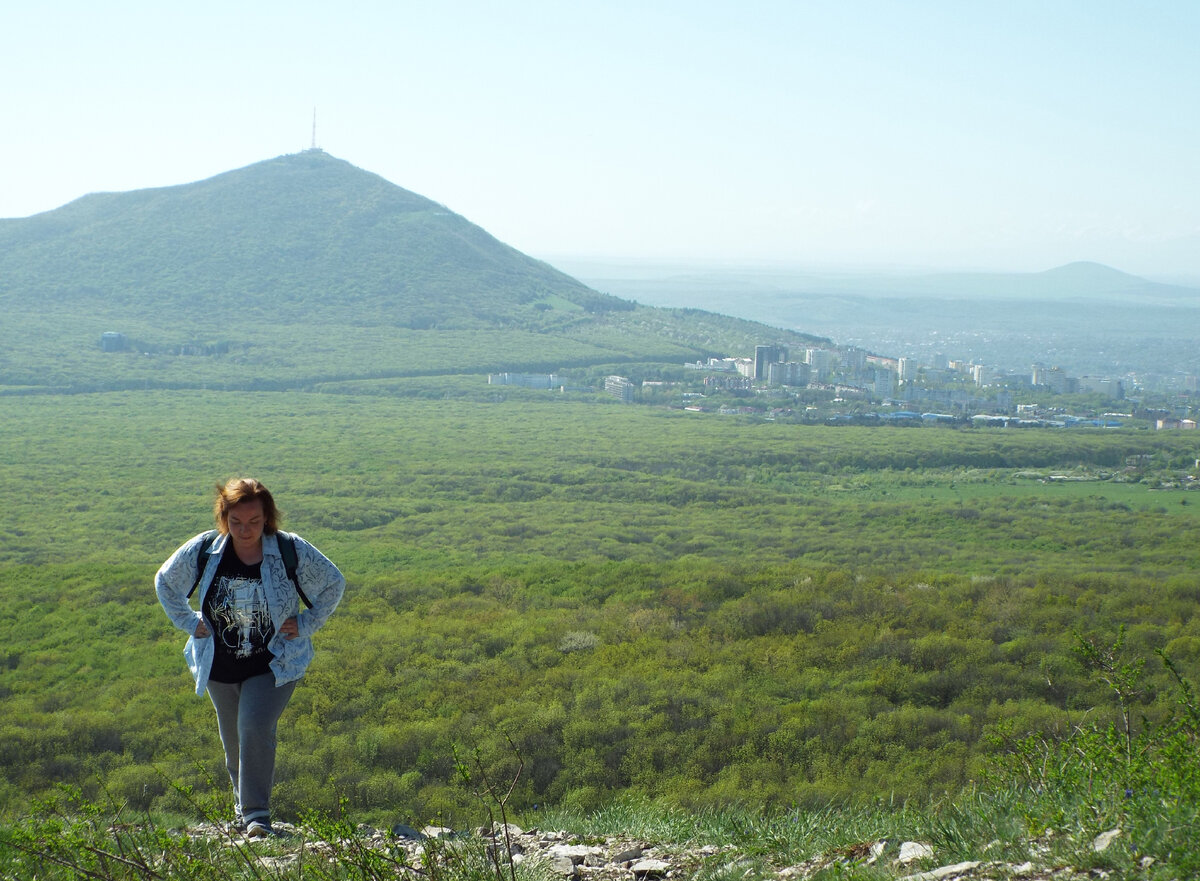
(1074, 281)
(301, 269)
(308, 232)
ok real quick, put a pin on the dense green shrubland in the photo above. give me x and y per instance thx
(701, 610)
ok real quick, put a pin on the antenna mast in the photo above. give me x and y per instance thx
(314, 136)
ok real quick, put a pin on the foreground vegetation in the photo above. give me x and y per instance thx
(707, 611)
(1104, 798)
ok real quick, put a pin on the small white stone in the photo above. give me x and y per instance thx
(1105, 839)
(575, 851)
(944, 872)
(644, 868)
(564, 866)
(911, 851)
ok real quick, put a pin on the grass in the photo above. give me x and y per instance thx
(1005, 827)
(1048, 805)
(478, 535)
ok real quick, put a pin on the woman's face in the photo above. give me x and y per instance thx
(245, 523)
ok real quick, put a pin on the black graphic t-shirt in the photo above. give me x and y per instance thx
(236, 608)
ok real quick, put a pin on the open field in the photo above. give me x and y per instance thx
(644, 601)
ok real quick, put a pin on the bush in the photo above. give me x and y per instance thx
(1136, 769)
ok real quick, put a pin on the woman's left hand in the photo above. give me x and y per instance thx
(289, 628)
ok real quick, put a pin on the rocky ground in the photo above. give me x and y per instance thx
(561, 854)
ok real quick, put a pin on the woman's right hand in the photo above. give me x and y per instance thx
(202, 631)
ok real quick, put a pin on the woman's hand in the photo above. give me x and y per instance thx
(202, 631)
(290, 628)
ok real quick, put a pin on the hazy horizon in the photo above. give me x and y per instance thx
(624, 267)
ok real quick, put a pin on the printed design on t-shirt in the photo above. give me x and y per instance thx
(239, 611)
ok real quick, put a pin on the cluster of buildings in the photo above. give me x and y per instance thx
(619, 387)
(853, 370)
(943, 387)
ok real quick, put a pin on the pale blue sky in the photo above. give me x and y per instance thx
(1005, 135)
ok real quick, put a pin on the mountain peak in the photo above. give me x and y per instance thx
(306, 230)
(1087, 270)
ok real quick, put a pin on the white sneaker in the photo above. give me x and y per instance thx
(259, 829)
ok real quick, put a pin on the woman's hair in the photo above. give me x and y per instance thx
(245, 489)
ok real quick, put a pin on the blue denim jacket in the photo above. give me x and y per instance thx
(323, 584)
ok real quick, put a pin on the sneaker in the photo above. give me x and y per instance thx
(259, 829)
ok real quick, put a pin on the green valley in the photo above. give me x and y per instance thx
(644, 601)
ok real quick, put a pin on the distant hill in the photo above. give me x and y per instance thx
(1087, 318)
(704, 286)
(1074, 281)
(300, 269)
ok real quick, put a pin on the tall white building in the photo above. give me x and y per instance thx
(983, 375)
(1053, 378)
(787, 373)
(619, 387)
(819, 361)
(885, 384)
(854, 359)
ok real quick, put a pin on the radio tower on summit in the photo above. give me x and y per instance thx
(314, 148)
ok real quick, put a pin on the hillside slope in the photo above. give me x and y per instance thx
(300, 269)
(306, 230)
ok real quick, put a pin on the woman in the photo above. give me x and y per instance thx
(249, 642)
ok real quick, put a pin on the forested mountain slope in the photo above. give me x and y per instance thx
(307, 232)
(305, 267)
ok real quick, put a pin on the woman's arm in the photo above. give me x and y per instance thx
(172, 583)
(322, 583)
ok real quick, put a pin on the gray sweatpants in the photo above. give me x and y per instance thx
(247, 714)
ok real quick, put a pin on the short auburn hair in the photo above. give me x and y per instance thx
(245, 489)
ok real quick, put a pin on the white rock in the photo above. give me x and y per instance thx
(576, 852)
(1105, 839)
(911, 851)
(943, 872)
(563, 865)
(644, 868)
